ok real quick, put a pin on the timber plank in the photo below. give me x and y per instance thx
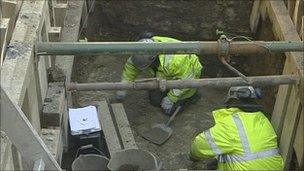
(51, 138)
(64, 64)
(4, 25)
(263, 9)
(54, 36)
(52, 107)
(281, 103)
(108, 127)
(289, 127)
(70, 33)
(299, 141)
(60, 13)
(123, 126)
(17, 69)
(255, 16)
(302, 29)
(291, 6)
(23, 135)
(284, 29)
(297, 15)
(10, 9)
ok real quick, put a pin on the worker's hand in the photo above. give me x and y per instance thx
(121, 95)
(167, 105)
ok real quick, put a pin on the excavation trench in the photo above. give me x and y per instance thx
(192, 21)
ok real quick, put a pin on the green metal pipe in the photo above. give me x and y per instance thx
(198, 47)
(196, 83)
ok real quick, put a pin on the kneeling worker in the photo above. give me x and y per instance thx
(242, 137)
(169, 67)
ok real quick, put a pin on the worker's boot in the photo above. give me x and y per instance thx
(195, 98)
(156, 96)
(212, 164)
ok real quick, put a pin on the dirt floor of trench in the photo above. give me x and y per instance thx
(142, 115)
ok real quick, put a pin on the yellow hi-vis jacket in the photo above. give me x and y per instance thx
(171, 67)
(241, 140)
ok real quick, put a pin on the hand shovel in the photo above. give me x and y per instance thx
(160, 133)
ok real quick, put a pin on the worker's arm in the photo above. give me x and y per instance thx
(130, 72)
(183, 71)
(211, 143)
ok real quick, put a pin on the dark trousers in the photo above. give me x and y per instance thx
(156, 97)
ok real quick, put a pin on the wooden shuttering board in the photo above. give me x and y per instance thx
(52, 108)
(123, 126)
(302, 29)
(116, 127)
(297, 14)
(299, 140)
(59, 14)
(291, 6)
(255, 16)
(70, 33)
(291, 121)
(108, 127)
(4, 25)
(290, 98)
(23, 135)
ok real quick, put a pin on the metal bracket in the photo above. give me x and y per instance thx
(162, 85)
(223, 55)
(223, 47)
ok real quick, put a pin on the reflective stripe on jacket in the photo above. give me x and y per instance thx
(241, 140)
(171, 67)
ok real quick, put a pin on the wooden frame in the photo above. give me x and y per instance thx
(24, 76)
(23, 135)
(287, 117)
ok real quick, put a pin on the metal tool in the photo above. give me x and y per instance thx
(160, 133)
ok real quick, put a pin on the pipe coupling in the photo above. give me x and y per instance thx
(223, 47)
(162, 84)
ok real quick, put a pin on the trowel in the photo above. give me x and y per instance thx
(160, 133)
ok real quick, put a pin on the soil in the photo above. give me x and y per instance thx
(142, 115)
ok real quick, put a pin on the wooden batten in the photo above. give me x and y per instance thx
(54, 36)
(302, 29)
(107, 123)
(263, 10)
(297, 15)
(291, 6)
(299, 140)
(3, 37)
(59, 14)
(255, 16)
(123, 126)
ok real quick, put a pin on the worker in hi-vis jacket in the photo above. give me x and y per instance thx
(165, 66)
(242, 137)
